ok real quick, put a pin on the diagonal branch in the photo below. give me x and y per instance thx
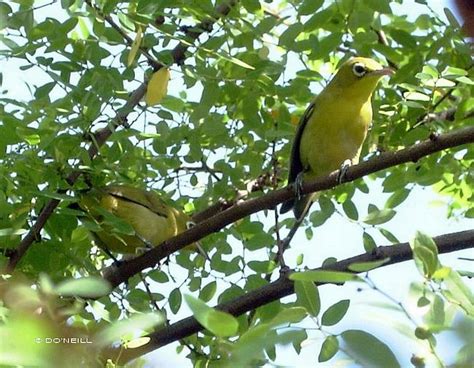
(283, 287)
(101, 136)
(117, 275)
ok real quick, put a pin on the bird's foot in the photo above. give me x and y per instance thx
(341, 175)
(146, 244)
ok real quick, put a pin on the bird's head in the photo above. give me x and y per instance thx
(359, 76)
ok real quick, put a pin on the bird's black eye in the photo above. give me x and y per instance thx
(190, 224)
(359, 69)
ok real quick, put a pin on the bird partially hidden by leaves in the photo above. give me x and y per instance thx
(129, 220)
(333, 128)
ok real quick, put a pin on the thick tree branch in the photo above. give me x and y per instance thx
(100, 137)
(284, 287)
(117, 275)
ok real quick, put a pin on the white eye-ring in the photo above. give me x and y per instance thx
(359, 69)
(190, 224)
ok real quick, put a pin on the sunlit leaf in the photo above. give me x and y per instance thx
(367, 266)
(219, 323)
(86, 287)
(135, 46)
(324, 276)
(329, 348)
(157, 87)
(378, 217)
(119, 330)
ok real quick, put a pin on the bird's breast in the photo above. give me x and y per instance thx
(334, 133)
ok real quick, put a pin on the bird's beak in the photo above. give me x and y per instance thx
(383, 71)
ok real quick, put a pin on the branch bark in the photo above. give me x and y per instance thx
(101, 136)
(283, 287)
(117, 275)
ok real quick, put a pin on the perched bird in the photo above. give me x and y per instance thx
(152, 221)
(333, 127)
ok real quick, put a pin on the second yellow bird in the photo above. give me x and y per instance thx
(152, 220)
(333, 127)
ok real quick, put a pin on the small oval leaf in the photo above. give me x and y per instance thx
(329, 348)
(335, 312)
(307, 296)
(135, 46)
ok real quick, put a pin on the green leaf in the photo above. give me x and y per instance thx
(367, 266)
(121, 329)
(427, 259)
(220, 323)
(425, 254)
(367, 350)
(11, 231)
(252, 6)
(335, 313)
(381, 6)
(458, 293)
(309, 7)
(158, 276)
(135, 46)
(288, 37)
(465, 80)
(262, 266)
(453, 72)
(389, 236)
(288, 315)
(397, 197)
(239, 63)
(85, 287)
(298, 339)
(329, 348)
(208, 291)
(324, 276)
(416, 96)
(318, 20)
(350, 209)
(436, 317)
(175, 300)
(307, 295)
(251, 345)
(378, 217)
(369, 242)
(5, 9)
(451, 18)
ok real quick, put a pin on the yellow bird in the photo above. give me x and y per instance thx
(152, 220)
(333, 127)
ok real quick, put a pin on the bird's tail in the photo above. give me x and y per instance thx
(286, 206)
(300, 206)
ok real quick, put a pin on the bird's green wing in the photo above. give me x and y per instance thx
(139, 197)
(296, 166)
